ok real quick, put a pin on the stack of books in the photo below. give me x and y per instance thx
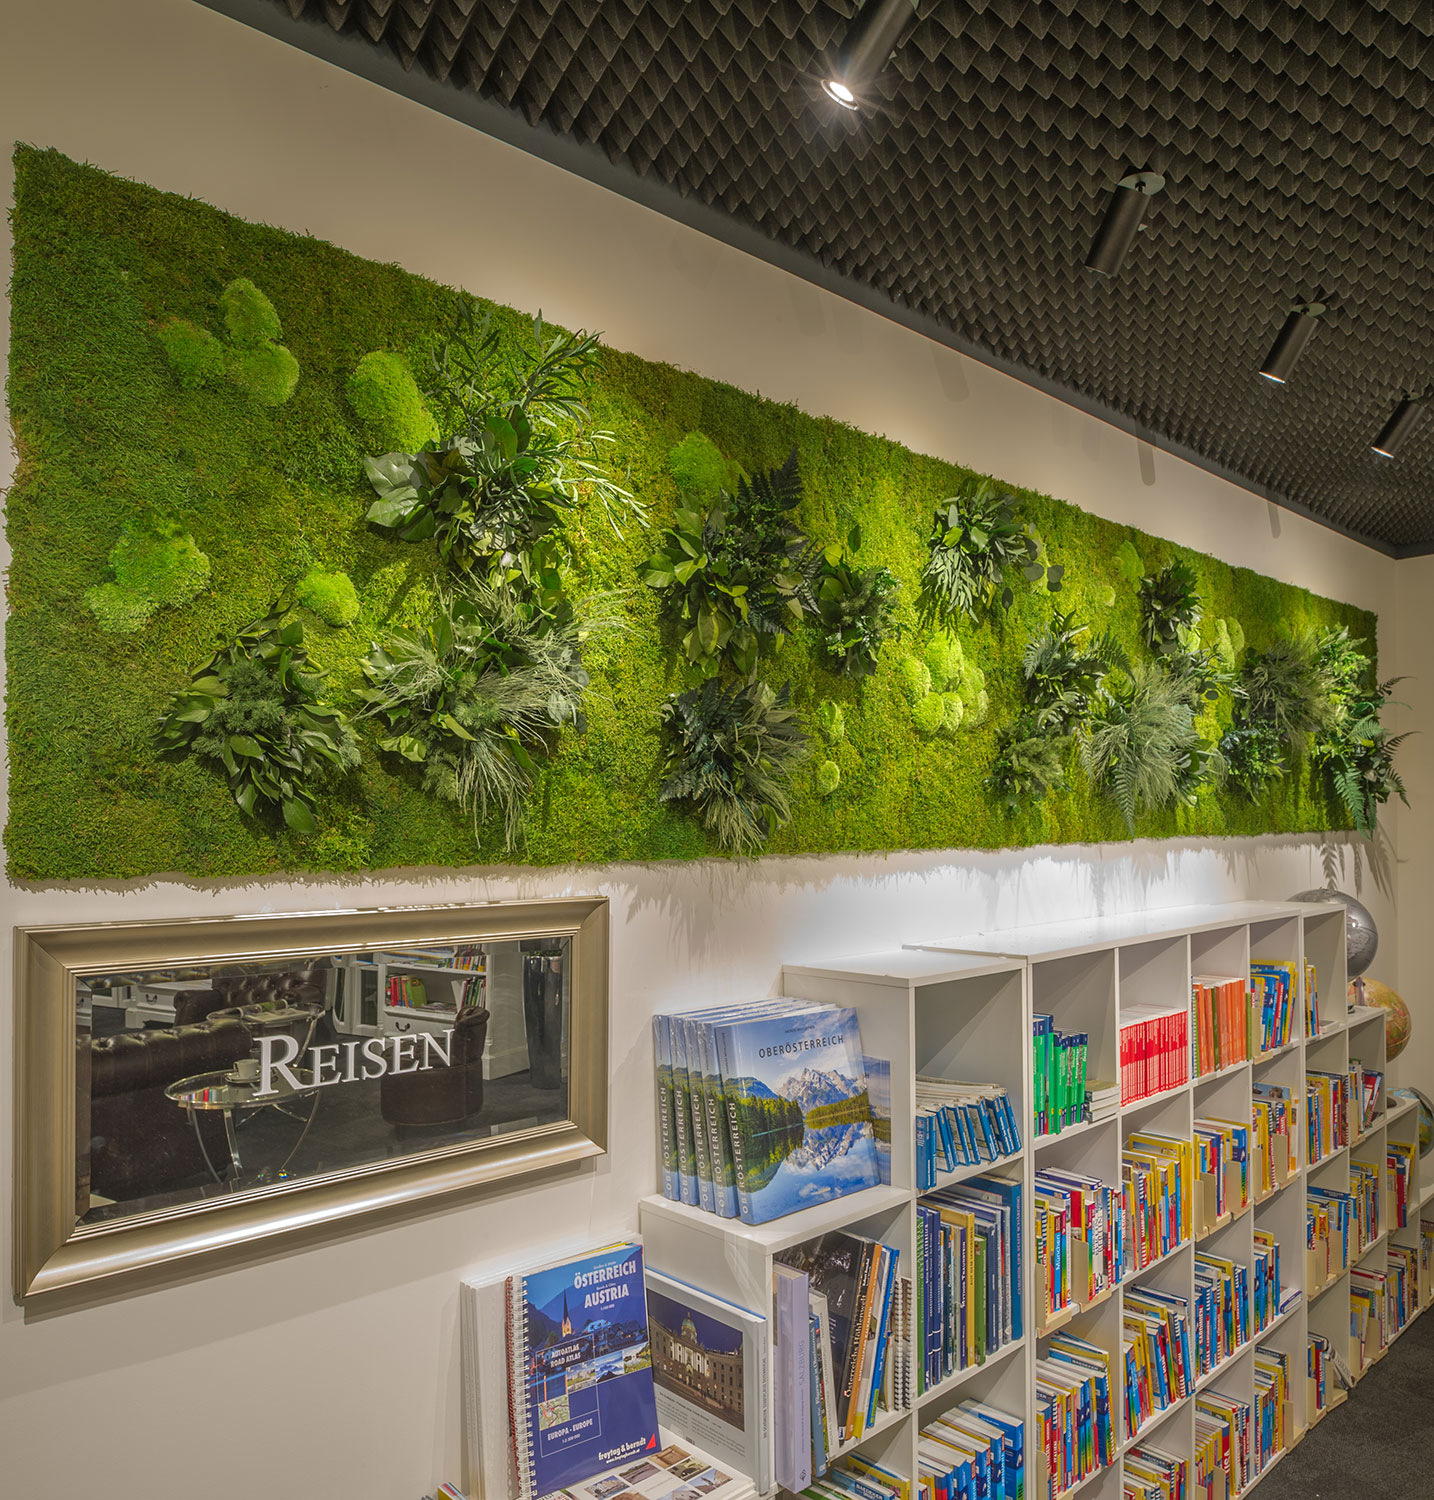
(1328, 1374)
(1156, 1349)
(843, 1348)
(1219, 1022)
(1154, 1050)
(856, 1477)
(1222, 1162)
(1272, 1405)
(1102, 1102)
(961, 1125)
(1059, 1064)
(1151, 1474)
(1272, 1001)
(764, 1108)
(1265, 1293)
(975, 1449)
(1365, 1086)
(1329, 1234)
(1222, 1310)
(1227, 1420)
(1364, 1188)
(1158, 1174)
(1080, 1228)
(1272, 1117)
(1368, 1320)
(1400, 1161)
(1073, 1422)
(1209, 1467)
(1311, 1008)
(1403, 1287)
(1327, 1112)
(970, 1244)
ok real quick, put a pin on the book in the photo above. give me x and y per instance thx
(667, 1153)
(711, 1370)
(1059, 1074)
(678, 1470)
(960, 1125)
(878, 1087)
(798, 1111)
(792, 1378)
(1154, 1050)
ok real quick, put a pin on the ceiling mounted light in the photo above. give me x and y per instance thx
(868, 47)
(1400, 425)
(1122, 221)
(1289, 343)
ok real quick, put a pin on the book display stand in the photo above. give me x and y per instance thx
(961, 1007)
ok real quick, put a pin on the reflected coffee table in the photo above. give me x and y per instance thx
(222, 1091)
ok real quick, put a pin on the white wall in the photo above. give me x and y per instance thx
(333, 1372)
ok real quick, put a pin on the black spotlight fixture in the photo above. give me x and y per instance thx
(1403, 421)
(1122, 221)
(870, 43)
(1289, 343)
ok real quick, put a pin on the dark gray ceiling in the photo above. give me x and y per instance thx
(1297, 141)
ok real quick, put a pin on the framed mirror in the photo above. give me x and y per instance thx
(187, 1087)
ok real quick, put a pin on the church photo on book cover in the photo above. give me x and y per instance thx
(697, 1357)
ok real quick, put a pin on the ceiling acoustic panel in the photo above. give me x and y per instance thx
(1296, 142)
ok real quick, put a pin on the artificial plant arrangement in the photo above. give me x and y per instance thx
(733, 749)
(977, 539)
(855, 608)
(1282, 697)
(252, 710)
(474, 696)
(1169, 607)
(1353, 746)
(519, 452)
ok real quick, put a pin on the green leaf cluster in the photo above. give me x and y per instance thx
(1029, 763)
(252, 711)
(386, 399)
(732, 752)
(855, 608)
(1353, 747)
(1063, 672)
(1169, 604)
(977, 538)
(155, 563)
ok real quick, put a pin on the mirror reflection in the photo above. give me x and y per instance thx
(216, 1079)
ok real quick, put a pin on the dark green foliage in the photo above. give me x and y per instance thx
(855, 609)
(1030, 763)
(1254, 756)
(1063, 672)
(736, 569)
(1353, 746)
(386, 399)
(977, 537)
(1141, 744)
(331, 596)
(732, 751)
(521, 450)
(194, 354)
(474, 695)
(1169, 604)
(155, 563)
(249, 317)
(1286, 689)
(252, 711)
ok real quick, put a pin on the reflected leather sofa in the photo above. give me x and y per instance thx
(232, 992)
(139, 1142)
(441, 1096)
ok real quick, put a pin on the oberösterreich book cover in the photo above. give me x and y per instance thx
(586, 1363)
(797, 1110)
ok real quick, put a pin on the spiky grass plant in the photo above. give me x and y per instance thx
(1288, 689)
(1064, 670)
(732, 751)
(474, 697)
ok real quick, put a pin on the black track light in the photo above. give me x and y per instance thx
(1122, 221)
(870, 43)
(1289, 343)
(1400, 425)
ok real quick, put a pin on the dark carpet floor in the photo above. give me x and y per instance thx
(1380, 1444)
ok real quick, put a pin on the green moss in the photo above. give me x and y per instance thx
(826, 778)
(698, 468)
(267, 373)
(117, 609)
(930, 713)
(944, 658)
(331, 596)
(105, 432)
(831, 721)
(249, 316)
(1128, 563)
(386, 399)
(953, 708)
(194, 354)
(154, 563)
(1237, 636)
(915, 678)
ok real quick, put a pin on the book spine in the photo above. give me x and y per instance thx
(682, 1110)
(666, 1123)
(723, 1040)
(697, 1091)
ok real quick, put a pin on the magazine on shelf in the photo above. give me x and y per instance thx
(679, 1470)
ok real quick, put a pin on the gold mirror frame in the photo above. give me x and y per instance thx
(53, 1254)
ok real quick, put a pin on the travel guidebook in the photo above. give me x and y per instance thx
(580, 1367)
(677, 1471)
(798, 1113)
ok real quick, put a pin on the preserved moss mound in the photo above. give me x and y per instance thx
(122, 410)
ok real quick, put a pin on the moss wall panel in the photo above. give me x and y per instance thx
(106, 433)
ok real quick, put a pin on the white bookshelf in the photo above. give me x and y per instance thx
(961, 1006)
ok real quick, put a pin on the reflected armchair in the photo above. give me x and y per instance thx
(441, 1096)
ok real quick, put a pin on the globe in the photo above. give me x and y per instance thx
(1375, 993)
(1426, 1116)
(1361, 936)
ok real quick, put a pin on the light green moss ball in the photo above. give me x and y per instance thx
(930, 713)
(1127, 559)
(116, 609)
(944, 658)
(954, 711)
(157, 560)
(831, 721)
(1237, 634)
(249, 316)
(973, 681)
(267, 373)
(978, 710)
(827, 778)
(386, 399)
(698, 467)
(331, 596)
(914, 677)
(194, 354)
